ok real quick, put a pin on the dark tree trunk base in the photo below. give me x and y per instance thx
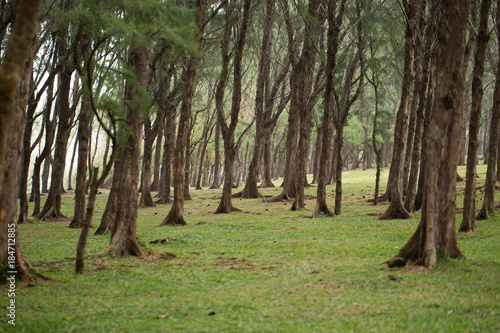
(163, 201)
(395, 211)
(174, 218)
(323, 209)
(483, 214)
(280, 197)
(267, 184)
(255, 194)
(225, 210)
(51, 214)
(130, 248)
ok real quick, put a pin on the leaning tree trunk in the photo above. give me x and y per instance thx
(84, 133)
(52, 207)
(469, 218)
(123, 233)
(109, 214)
(396, 209)
(436, 230)
(491, 177)
(216, 180)
(15, 70)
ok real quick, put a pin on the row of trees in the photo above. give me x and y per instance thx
(168, 79)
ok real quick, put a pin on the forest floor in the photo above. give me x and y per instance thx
(265, 269)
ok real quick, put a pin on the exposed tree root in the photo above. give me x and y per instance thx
(280, 197)
(483, 214)
(395, 211)
(322, 210)
(248, 195)
(51, 214)
(174, 218)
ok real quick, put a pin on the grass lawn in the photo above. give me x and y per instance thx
(265, 269)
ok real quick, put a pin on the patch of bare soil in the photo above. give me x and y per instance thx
(287, 229)
(231, 263)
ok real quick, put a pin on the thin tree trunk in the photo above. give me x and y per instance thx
(146, 199)
(157, 161)
(216, 180)
(396, 209)
(491, 177)
(225, 205)
(84, 133)
(469, 220)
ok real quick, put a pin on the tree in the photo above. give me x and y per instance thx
(333, 33)
(123, 232)
(227, 131)
(469, 222)
(175, 217)
(15, 69)
(435, 233)
(265, 95)
(491, 176)
(394, 188)
(65, 113)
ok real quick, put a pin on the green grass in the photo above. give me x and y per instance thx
(265, 269)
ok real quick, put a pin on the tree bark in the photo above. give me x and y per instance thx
(84, 134)
(216, 180)
(436, 230)
(52, 207)
(150, 131)
(396, 209)
(123, 232)
(469, 220)
(491, 174)
(225, 205)
(15, 69)
(168, 151)
(155, 184)
(175, 216)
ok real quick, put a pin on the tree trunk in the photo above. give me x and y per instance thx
(109, 214)
(187, 163)
(175, 216)
(146, 199)
(469, 220)
(436, 230)
(230, 149)
(216, 180)
(317, 153)
(266, 169)
(396, 209)
(52, 207)
(168, 153)
(157, 162)
(123, 233)
(84, 133)
(491, 177)
(14, 80)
